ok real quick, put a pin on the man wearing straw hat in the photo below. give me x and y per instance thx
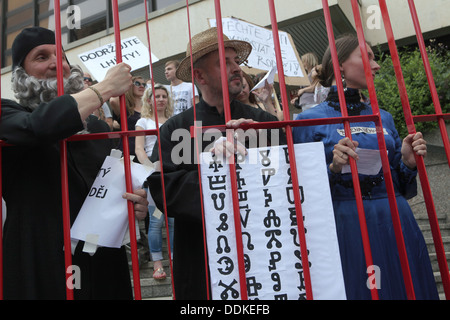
(180, 169)
(34, 266)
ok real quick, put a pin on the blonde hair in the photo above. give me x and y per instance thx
(130, 97)
(309, 60)
(147, 102)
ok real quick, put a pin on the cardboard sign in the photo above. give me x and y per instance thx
(273, 266)
(262, 57)
(99, 60)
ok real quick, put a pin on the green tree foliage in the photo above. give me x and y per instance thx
(417, 86)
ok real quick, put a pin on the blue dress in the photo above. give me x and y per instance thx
(376, 205)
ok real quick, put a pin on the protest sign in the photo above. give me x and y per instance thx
(99, 60)
(103, 218)
(262, 57)
(273, 265)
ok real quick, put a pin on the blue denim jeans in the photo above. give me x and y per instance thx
(155, 236)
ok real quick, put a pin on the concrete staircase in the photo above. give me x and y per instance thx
(151, 288)
(444, 226)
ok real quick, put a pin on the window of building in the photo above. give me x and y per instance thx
(79, 18)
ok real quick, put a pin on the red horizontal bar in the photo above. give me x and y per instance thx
(292, 123)
(431, 117)
(112, 135)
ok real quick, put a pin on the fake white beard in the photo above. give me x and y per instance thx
(31, 91)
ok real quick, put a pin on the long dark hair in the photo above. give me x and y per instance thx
(345, 45)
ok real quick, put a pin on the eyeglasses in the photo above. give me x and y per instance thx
(139, 84)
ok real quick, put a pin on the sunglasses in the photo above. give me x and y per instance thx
(139, 84)
(87, 79)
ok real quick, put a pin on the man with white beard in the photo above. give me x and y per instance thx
(33, 257)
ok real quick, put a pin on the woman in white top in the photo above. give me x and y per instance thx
(164, 107)
(144, 148)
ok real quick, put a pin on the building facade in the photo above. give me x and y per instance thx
(88, 24)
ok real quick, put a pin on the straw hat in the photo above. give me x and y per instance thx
(204, 43)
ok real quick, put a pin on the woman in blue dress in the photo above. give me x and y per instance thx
(338, 149)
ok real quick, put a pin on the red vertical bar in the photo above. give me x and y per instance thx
(1, 196)
(198, 146)
(291, 151)
(429, 73)
(127, 163)
(63, 152)
(233, 177)
(384, 157)
(354, 170)
(159, 146)
(437, 238)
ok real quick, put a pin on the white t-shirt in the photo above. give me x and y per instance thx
(182, 96)
(150, 140)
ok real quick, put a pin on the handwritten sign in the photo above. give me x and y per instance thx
(263, 57)
(103, 218)
(273, 265)
(99, 60)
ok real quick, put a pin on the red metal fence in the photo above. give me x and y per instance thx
(288, 124)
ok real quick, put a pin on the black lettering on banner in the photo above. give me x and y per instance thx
(242, 195)
(293, 216)
(221, 196)
(247, 263)
(265, 161)
(276, 278)
(299, 265)
(228, 265)
(302, 281)
(240, 181)
(219, 249)
(281, 296)
(293, 231)
(244, 220)
(250, 246)
(253, 287)
(275, 257)
(218, 180)
(266, 174)
(271, 220)
(286, 154)
(223, 225)
(234, 292)
(290, 195)
(268, 198)
(215, 165)
(272, 234)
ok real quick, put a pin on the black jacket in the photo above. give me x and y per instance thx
(31, 178)
(182, 189)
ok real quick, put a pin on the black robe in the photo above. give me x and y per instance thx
(183, 192)
(34, 266)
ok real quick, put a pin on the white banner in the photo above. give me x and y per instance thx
(99, 60)
(269, 226)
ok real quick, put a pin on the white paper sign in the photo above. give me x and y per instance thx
(261, 39)
(103, 218)
(269, 226)
(99, 60)
(369, 162)
(269, 77)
